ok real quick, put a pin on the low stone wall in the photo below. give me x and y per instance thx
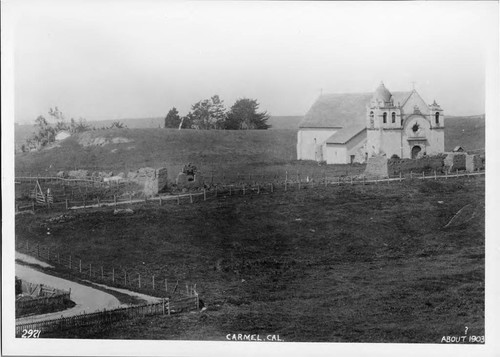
(424, 164)
(455, 161)
(377, 167)
(153, 180)
(473, 163)
(187, 181)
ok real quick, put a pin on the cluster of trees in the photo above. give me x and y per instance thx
(46, 130)
(212, 114)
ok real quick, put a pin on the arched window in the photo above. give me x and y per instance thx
(393, 117)
(384, 117)
(371, 120)
(437, 117)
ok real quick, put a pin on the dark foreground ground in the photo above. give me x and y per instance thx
(349, 264)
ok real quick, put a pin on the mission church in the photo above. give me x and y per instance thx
(349, 128)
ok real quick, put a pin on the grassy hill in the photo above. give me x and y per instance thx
(264, 151)
(468, 132)
(163, 148)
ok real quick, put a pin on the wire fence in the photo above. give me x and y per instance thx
(117, 276)
(202, 193)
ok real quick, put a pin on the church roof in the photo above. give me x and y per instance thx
(344, 135)
(382, 93)
(337, 111)
(400, 97)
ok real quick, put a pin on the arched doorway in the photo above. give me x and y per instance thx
(415, 151)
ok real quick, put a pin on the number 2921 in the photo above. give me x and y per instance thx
(31, 333)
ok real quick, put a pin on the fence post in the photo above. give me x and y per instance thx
(98, 203)
(166, 286)
(139, 280)
(114, 199)
(66, 204)
(160, 201)
(178, 200)
(400, 176)
(153, 282)
(187, 290)
(168, 306)
(80, 265)
(113, 275)
(423, 174)
(285, 186)
(286, 176)
(258, 189)
(351, 180)
(457, 172)
(191, 197)
(411, 175)
(163, 305)
(435, 175)
(272, 187)
(204, 195)
(70, 261)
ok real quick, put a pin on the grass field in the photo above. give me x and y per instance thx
(349, 264)
(221, 152)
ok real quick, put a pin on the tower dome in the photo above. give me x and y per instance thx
(382, 94)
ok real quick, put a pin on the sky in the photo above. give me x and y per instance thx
(128, 59)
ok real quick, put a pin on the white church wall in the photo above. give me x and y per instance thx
(424, 133)
(436, 142)
(307, 146)
(357, 147)
(336, 154)
(391, 143)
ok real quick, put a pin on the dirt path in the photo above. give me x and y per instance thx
(87, 299)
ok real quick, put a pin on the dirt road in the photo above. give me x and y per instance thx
(87, 299)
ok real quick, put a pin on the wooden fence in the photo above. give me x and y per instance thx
(41, 295)
(165, 307)
(290, 184)
(117, 276)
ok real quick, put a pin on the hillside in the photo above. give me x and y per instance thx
(468, 132)
(244, 151)
(135, 148)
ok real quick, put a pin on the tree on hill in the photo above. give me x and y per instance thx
(172, 120)
(208, 114)
(244, 115)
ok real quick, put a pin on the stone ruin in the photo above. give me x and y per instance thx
(188, 177)
(153, 180)
(380, 167)
(463, 161)
(377, 167)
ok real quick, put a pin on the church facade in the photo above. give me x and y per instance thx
(349, 128)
